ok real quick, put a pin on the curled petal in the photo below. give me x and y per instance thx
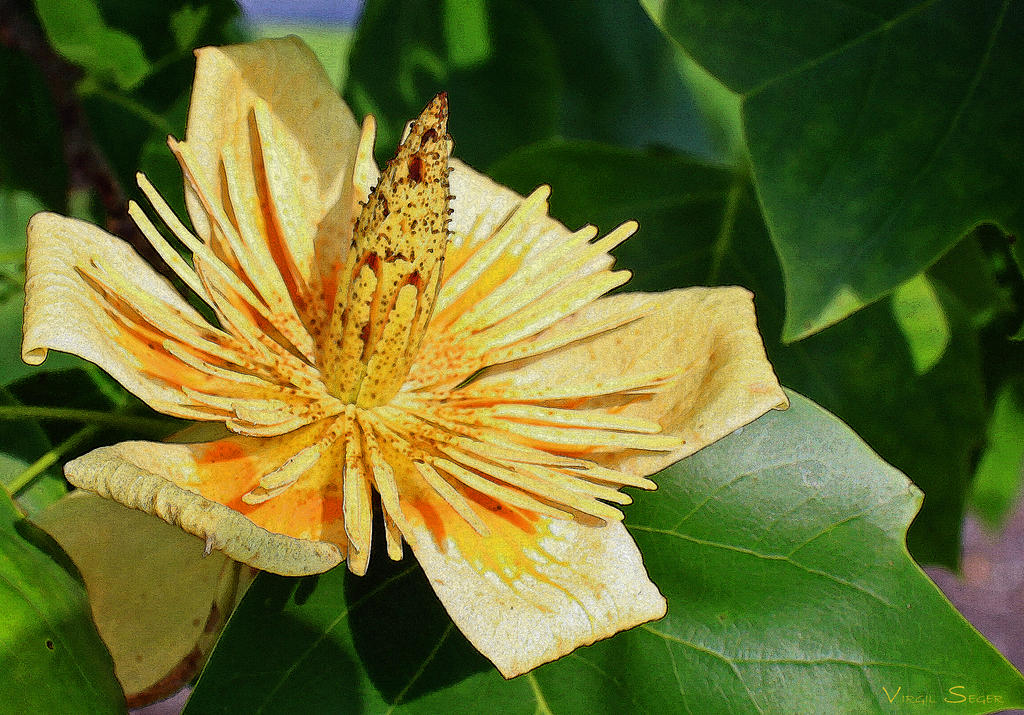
(533, 588)
(201, 487)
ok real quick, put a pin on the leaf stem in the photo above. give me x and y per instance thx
(151, 426)
(34, 470)
(127, 103)
(724, 239)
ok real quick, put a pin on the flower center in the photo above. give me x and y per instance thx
(393, 269)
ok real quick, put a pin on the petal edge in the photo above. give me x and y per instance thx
(110, 475)
(583, 584)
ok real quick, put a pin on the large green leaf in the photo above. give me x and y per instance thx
(780, 550)
(878, 133)
(51, 657)
(517, 71)
(700, 224)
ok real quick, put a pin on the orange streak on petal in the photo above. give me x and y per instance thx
(226, 472)
(503, 268)
(332, 509)
(432, 520)
(221, 452)
(520, 518)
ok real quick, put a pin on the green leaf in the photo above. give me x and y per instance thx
(780, 550)
(79, 32)
(929, 425)
(878, 134)
(186, 23)
(50, 654)
(620, 83)
(919, 313)
(700, 224)
(466, 32)
(16, 208)
(518, 71)
(1018, 257)
(401, 58)
(997, 482)
(978, 271)
(43, 491)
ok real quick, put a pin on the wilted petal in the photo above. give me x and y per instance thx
(157, 600)
(203, 488)
(534, 588)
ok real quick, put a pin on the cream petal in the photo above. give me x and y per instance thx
(90, 294)
(527, 598)
(269, 110)
(700, 346)
(285, 74)
(165, 479)
(64, 312)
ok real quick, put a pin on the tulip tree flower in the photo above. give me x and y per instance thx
(420, 338)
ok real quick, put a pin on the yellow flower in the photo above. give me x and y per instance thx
(469, 372)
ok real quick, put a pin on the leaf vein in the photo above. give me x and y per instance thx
(881, 28)
(423, 666)
(714, 654)
(769, 557)
(327, 629)
(538, 695)
(872, 240)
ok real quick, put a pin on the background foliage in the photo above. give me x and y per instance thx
(857, 166)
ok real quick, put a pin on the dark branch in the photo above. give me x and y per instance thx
(88, 169)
